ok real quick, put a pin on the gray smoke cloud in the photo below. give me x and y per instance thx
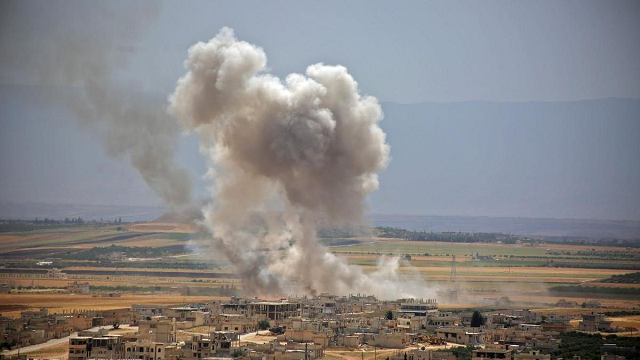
(130, 124)
(309, 146)
(77, 67)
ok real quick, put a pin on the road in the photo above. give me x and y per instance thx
(53, 342)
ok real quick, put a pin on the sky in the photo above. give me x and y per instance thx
(523, 53)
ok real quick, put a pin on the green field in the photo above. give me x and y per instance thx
(510, 270)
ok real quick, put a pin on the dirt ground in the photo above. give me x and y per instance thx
(12, 304)
(626, 321)
(163, 227)
(261, 337)
(368, 352)
(58, 352)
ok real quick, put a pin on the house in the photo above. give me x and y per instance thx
(461, 335)
(79, 348)
(491, 353)
(78, 288)
(274, 310)
(592, 304)
(594, 321)
(566, 303)
(532, 355)
(144, 349)
(158, 329)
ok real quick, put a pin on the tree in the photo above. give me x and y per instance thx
(389, 315)
(263, 325)
(237, 352)
(476, 319)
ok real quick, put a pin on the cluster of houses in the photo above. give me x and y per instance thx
(35, 327)
(299, 328)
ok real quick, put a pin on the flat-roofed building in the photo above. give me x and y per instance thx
(145, 349)
(274, 310)
(79, 348)
(491, 353)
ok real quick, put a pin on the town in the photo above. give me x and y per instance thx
(311, 327)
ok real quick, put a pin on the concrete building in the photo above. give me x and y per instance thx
(532, 355)
(144, 349)
(566, 303)
(274, 310)
(417, 307)
(78, 288)
(556, 322)
(594, 321)
(158, 329)
(240, 324)
(79, 348)
(186, 317)
(148, 310)
(107, 347)
(100, 347)
(491, 353)
(461, 335)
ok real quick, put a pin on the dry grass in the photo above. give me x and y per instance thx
(626, 321)
(58, 303)
(59, 351)
(163, 227)
(153, 242)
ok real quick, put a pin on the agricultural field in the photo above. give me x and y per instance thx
(171, 262)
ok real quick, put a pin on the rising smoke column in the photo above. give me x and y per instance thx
(131, 125)
(310, 143)
(76, 66)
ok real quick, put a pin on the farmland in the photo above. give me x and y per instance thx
(170, 262)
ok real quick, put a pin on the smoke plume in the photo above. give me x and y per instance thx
(309, 146)
(77, 67)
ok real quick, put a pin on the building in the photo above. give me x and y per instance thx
(556, 322)
(55, 274)
(158, 329)
(491, 353)
(78, 288)
(566, 303)
(98, 347)
(417, 308)
(144, 349)
(186, 317)
(594, 321)
(532, 355)
(461, 335)
(79, 348)
(5, 288)
(592, 304)
(106, 347)
(274, 310)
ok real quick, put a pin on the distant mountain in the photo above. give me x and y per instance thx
(12, 211)
(576, 159)
(595, 229)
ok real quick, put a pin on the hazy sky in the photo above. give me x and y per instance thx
(403, 52)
